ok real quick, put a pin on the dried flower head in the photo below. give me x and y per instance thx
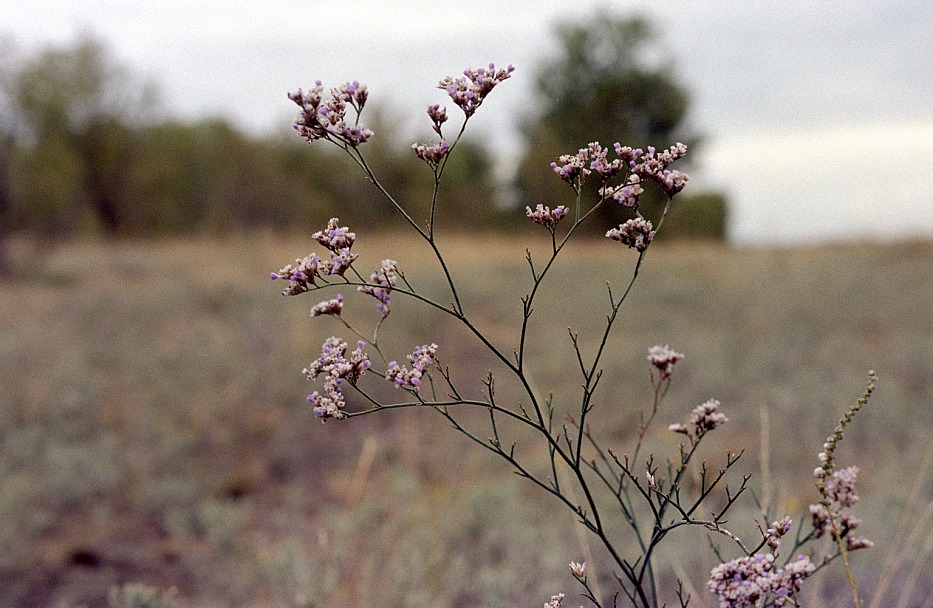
(335, 237)
(837, 487)
(627, 194)
(328, 307)
(556, 601)
(663, 358)
(578, 570)
(742, 582)
(635, 233)
(432, 153)
(840, 486)
(746, 581)
(301, 276)
(671, 182)
(340, 261)
(546, 216)
(572, 168)
(829, 517)
(330, 404)
(654, 166)
(470, 90)
(438, 115)
(327, 120)
(382, 281)
(706, 417)
(777, 530)
(785, 582)
(336, 367)
(421, 359)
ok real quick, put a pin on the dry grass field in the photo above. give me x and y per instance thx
(153, 423)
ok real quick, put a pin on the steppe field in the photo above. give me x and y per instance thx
(154, 427)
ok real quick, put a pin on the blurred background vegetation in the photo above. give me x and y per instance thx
(152, 418)
(87, 150)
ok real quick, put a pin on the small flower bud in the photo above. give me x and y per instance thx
(578, 570)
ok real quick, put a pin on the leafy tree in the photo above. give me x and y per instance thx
(76, 106)
(83, 152)
(605, 85)
(469, 187)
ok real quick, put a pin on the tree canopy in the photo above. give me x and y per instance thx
(609, 83)
(85, 150)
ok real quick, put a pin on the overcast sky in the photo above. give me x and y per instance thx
(818, 116)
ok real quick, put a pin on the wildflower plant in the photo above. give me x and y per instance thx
(629, 501)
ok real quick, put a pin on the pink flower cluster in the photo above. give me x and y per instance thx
(704, 418)
(777, 530)
(438, 116)
(334, 365)
(302, 276)
(654, 166)
(469, 91)
(575, 168)
(556, 601)
(383, 280)
(328, 120)
(421, 359)
(627, 194)
(328, 307)
(335, 237)
(546, 216)
(663, 358)
(635, 233)
(840, 494)
(432, 153)
(746, 581)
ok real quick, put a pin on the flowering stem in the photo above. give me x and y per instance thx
(427, 236)
(439, 172)
(845, 561)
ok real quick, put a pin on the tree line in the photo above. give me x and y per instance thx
(85, 149)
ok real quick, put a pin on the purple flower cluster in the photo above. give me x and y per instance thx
(746, 581)
(438, 116)
(335, 237)
(383, 280)
(627, 194)
(635, 233)
(433, 152)
(575, 168)
(572, 167)
(302, 276)
(777, 530)
(328, 307)
(334, 365)
(421, 359)
(840, 486)
(839, 494)
(328, 120)
(654, 165)
(469, 91)
(546, 216)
